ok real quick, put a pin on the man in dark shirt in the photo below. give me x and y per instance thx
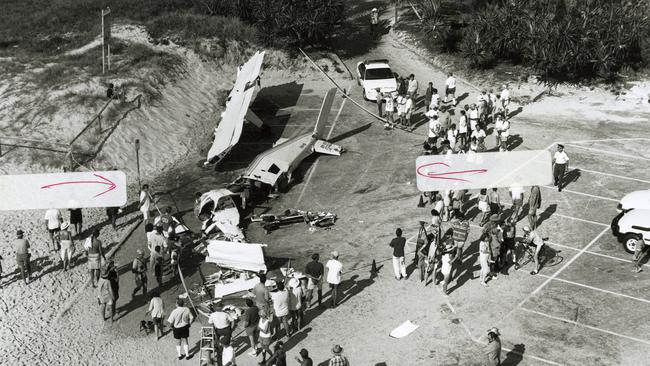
(251, 318)
(399, 266)
(21, 247)
(304, 359)
(314, 271)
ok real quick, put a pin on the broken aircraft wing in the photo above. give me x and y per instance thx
(227, 134)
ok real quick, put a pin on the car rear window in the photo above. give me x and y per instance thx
(378, 74)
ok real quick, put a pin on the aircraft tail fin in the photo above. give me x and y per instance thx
(324, 113)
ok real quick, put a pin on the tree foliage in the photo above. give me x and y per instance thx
(284, 22)
(561, 39)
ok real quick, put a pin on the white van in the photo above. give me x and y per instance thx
(633, 221)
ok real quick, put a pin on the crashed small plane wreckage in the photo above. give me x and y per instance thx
(229, 130)
(272, 222)
(275, 166)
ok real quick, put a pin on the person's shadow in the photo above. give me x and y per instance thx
(353, 287)
(548, 212)
(571, 177)
(515, 356)
(468, 267)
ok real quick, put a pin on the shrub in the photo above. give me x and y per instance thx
(191, 26)
(563, 40)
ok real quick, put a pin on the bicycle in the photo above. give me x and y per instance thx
(548, 257)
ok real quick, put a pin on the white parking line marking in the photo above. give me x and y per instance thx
(603, 140)
(596, 289)
(581, 220)
(586, 326)
(329, 134)
(567, 264)
(595, 253)
(600, 151)
(612, 175)
(583, 194)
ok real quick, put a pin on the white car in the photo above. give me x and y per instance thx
(633, 221)
(373, 75)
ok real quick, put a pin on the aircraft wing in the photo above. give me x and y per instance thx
(228, 132)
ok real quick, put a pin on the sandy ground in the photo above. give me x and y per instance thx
(580, 315)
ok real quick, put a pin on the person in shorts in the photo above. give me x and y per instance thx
(67, 245)
(139, 269)
(450, 88)
(314, 271)
(145, 202)
(180, 320)
(105, 296)
(251, 321)
(95, 254)
(76, 220)
(156, 309)
(53, 221)
(21, 248)
(638, 254)
(265, 338)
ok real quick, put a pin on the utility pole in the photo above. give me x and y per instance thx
(137, 160)
(106, 38)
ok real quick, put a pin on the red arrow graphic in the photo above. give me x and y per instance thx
(433, 175)
(104, 180)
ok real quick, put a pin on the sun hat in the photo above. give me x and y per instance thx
(337, 350)
(526, 228)
(65, 225)
(374, 9)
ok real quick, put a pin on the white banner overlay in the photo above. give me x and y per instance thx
(483, 170)
(62, 190)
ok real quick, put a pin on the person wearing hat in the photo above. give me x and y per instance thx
(493, 349)
(21, 248)
(105, 294)
(560, 166)
(374, 22)
(338, 359)
(64, 236)
(334, 272)
(139, 269)
(304, 359)
(222, 324)
(533, 239)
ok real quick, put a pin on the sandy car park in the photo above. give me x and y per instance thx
(585, 307)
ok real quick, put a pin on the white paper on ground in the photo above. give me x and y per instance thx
(403, 330)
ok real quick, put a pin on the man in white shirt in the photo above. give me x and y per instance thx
(145, 202)
(560, 166)
(450, 88)
(505, 99)
(434, 129)
(413, 87)
(53, 221)
(334, 272)
(408, 109)
(517, 195)
(473, 116)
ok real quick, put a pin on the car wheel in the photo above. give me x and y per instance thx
(364, 95)
(629, 242)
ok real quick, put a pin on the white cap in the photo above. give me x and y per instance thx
(526, 228)
(374, 9)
